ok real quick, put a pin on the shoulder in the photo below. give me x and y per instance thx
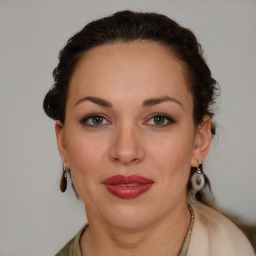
(214, 234)
(72, 248)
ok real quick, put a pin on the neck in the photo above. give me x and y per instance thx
(163, 238)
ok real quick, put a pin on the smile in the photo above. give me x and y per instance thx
(127, 187)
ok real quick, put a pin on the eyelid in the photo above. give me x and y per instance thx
(87, 117)
(170, 119)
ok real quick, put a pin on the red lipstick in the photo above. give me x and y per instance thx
(127, 187)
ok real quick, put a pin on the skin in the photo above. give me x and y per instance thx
(129, 141)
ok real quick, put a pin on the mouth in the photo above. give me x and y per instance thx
(127, 187)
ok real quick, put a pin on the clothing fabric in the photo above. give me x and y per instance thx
(212, 235)
(72, 248)
(215, 235)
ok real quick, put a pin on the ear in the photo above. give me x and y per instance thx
(203, 138)
(60, 136)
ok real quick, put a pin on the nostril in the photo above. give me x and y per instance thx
(136, 160)
(126, 160)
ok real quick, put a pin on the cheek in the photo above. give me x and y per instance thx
(172, 157)
(85, 155)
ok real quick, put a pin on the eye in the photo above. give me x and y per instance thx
(95, 120)
(160, 120)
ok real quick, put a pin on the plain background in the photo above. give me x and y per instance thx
(35, 218)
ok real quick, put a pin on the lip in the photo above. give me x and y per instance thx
(127, 187)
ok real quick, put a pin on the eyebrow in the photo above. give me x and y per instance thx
(155, 101)
(146, 103)
(96, 100)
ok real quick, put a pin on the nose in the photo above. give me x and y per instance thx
(126, 146)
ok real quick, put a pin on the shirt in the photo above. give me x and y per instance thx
(212, 235)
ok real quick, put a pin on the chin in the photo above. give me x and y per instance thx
(129, 217)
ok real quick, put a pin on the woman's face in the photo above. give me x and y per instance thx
(129, 138)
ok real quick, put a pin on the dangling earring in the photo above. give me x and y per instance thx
(63, 180)
(197, 179)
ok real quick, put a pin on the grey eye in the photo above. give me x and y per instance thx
(159, 120)
(97, 120)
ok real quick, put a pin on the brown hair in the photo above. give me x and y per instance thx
(128, 26)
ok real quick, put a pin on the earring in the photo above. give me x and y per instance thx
(63, 180)
(197, 179)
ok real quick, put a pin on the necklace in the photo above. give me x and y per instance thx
(184, 248)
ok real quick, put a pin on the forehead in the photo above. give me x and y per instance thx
(125, 68)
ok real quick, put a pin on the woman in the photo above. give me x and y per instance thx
(132, 102)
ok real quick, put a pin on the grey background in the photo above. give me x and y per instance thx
(35, 218)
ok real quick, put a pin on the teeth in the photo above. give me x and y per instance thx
(129, 185)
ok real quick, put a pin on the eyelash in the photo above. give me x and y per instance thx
(168, 120)
(85, 120)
